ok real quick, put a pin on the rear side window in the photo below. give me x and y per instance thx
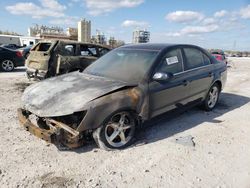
(194, 58)
(42, 47)
(88, 50)
(93, 51)
(171, 62)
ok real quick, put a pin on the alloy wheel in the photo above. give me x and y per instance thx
(213, 97)
(7, 65)
(120, 129)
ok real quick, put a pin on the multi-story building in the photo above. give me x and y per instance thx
(84, 31)
(99, 38)
(113, 43)
(141, 36)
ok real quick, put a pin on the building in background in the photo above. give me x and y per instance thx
(99, 38)
(50, 32)
(113, 43)
(82, 34)
(84, 31)
(72, 32)
(141, 36)
(44, 30)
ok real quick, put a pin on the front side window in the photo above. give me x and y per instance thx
(103, 51)
(194, 58)
(88, 50)
(70, 49)
(93, 51)
(171, 62)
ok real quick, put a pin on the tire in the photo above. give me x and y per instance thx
(117, 132)
(212, 97)
(7, 65)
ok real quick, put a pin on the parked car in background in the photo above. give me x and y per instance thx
(120, 91)
(9, 59)
(220, 57)
(54, 57)
(11, 46)
(25, 51)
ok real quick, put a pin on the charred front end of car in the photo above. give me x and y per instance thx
(57, 130)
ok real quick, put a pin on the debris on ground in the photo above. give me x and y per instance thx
(185, 141)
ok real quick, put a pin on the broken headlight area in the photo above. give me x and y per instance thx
(72, 120)
(57, 130)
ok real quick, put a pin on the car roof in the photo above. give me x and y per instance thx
(156, 46)
(72, 42)
(7, 49)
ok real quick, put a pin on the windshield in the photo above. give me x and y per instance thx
(123, 64)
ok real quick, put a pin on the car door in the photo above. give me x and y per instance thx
(167, 95)
(67, 59)
(199, 72)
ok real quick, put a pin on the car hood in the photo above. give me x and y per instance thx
(66, 94)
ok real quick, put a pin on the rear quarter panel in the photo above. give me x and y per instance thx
(220, 73)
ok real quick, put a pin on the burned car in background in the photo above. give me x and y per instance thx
(120, 91)
(49, 58)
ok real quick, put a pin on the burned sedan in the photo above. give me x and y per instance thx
(120, 91)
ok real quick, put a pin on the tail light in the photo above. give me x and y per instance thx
(19, 54)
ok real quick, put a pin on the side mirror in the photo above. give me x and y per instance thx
(159, 76)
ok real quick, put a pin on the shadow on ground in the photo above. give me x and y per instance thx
(18, 69)
(169, 124)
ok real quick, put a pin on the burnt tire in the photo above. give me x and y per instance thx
(212, 97)
(117, 132)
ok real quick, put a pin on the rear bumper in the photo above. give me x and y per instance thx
(58, 133)
(33, 73)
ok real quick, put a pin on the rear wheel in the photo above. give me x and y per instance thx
(7, 66)
(117, 132)
(212, 97)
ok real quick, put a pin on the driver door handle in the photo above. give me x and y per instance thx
(185, 82)
(210, 74)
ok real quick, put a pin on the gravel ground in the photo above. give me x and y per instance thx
(192, 149)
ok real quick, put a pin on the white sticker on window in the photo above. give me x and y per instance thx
(172, 60)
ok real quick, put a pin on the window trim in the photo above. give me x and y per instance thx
(193, 69)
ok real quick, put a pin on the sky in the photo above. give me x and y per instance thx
(223, 24)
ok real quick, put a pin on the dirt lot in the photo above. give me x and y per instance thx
(219, 158)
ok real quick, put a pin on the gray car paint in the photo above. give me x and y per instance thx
(66, 94)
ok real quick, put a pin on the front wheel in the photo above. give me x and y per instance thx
(117, 132)
(212, 97)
